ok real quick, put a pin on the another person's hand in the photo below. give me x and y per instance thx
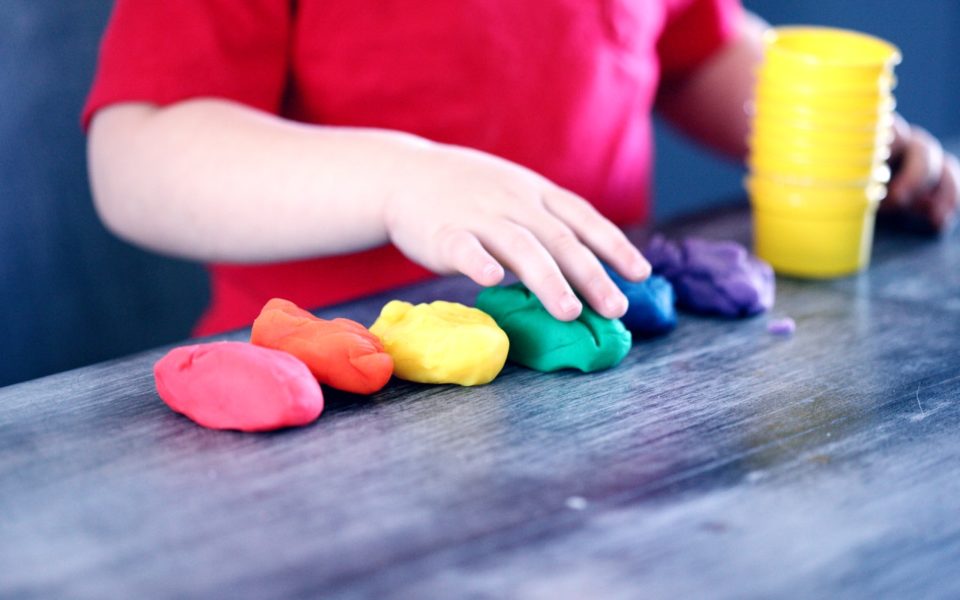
(460, 210)
(926, 180)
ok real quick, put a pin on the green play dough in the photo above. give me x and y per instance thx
(538, 341)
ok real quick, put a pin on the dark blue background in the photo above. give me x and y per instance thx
(71, 294)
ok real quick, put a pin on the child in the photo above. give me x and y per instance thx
(321, 150)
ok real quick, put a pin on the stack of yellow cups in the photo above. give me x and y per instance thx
(819, 146)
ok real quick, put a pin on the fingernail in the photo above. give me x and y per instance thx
(615, 304)
(490, 271)
(569, 304)
(641, 268)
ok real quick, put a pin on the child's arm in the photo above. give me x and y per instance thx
(709, 104)
(216, 181)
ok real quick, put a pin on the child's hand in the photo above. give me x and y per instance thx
(926, 181)
(460, 210)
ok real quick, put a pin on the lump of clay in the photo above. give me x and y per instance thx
(233, 385)
(784, 326)
(651, 311)
(441, 342)
(541, 342)
(340, 353)
(719, 278)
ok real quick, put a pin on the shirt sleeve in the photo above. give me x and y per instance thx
(695, 29)
(165, 51)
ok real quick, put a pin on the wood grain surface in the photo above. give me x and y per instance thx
(720, 461)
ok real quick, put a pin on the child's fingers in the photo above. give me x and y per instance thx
(602, 236)
(919, 170)
(525, 255)
(579, 265)
(945, 198)
(464, 253)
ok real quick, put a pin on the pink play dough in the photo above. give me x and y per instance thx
(234, 385)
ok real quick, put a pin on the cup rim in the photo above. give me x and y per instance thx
(781, 41)
(878, 174)
(795, 150)
(798, 96)
(813, 120)
(774, 158)
(779, 129)
(818, 105)
(826, 86)
(878, 189)
(799, 206)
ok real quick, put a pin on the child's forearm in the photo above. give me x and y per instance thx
(215, 181)
(709, 104)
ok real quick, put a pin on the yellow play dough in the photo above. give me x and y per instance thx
(441, 342)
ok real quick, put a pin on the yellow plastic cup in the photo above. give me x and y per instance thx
(828, 63)
(827, 117)
(818, 172)
(813, 231)
(858, 167)
(797, 150)
(827, 52)
(775, 132)
(797, 83)
(863, 123)
(840, 198)
(837, 103)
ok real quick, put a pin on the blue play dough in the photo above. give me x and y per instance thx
(652, 311)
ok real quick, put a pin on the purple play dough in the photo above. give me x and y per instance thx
(719, 278)
(784, 326)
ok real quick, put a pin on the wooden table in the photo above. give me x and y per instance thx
(720, 461)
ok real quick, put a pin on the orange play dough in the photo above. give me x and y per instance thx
(340, 353)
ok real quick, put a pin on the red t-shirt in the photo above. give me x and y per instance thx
(564, 87)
